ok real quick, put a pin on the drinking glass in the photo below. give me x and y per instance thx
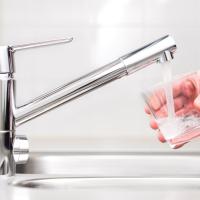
(184, 125)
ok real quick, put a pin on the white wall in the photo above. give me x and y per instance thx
(110, 118)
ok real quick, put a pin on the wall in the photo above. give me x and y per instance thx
(110, 118)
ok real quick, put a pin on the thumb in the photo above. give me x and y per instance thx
(197, 102)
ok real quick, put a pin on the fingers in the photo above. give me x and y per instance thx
(185, 88)
(177, 86)
(153, 124)
(180, 102)
(155, 101)
(188, 108)
(146, 110)
(197, 103)
(161, 137)
(158, 99)
(188, 89)
(179, 145)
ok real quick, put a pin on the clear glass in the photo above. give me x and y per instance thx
(183, 125)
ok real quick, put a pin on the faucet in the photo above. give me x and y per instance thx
(14, 149)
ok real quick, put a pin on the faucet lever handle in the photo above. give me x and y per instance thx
(15, 48)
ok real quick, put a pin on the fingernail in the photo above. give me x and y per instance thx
(161, 137)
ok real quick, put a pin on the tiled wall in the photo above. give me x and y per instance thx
(112, 117)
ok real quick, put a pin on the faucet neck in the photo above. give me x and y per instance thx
(14, 149)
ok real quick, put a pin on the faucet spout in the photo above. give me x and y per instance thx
(161, 50)
(14, 148)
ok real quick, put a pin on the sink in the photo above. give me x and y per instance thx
(106, 175)
(100, 183)
(104, 188)
(113, 164)
(108, 169)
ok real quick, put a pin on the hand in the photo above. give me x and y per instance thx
(186, 98)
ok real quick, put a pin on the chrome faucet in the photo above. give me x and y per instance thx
(14, 148)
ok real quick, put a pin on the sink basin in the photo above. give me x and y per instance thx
(118, 164)
(106, 188)
(100, 183)
(119, 175)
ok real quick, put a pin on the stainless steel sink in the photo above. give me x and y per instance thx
(117, 164)
(100, 183)
(63, 170)
(105, 188)
(97, 176)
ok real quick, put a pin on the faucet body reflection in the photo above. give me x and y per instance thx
(14, 148)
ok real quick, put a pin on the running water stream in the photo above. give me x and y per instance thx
(167, 77)
(169, 126)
